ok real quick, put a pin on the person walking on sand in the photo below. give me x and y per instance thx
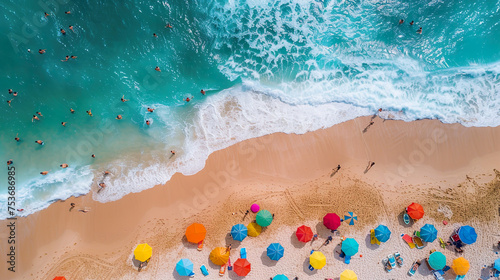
(123, 99)
(64, 165)
(370, 165)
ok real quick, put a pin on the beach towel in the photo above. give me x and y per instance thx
(408, 240)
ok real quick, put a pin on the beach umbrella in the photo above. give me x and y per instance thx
(184, 267)
(428, 233)
(254, 229)
(280, 277)
(241, 267)
(195, 233)
(143, 252)
(460, 266)
(496, 265)
(275, 251)
(437, 260)
(304, 234)
(382, 233)
(219, 255)
(264, 218)
(350, 246)
(467, 234)
(255, 207)
(348, 275)
(317, 260)
(415, 211)
(59, 278)
(331, 221)
(239, 232)
(350, 218)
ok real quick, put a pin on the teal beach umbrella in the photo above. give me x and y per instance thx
(184, 267)
(437, 260)
(382, 233)
(275, 251)
(350, 247)
(428, 233)
(264, 218)
(280, 277)
(497, 264)
(239, 232)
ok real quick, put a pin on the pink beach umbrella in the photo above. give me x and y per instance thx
(331, 221)
(255, 208)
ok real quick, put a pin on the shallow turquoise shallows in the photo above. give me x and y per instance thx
(265, 66)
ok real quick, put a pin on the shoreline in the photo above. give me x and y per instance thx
(426, 155)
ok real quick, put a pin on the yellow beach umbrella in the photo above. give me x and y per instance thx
(219, 256)
(317, 260)
(254, 229)
(143, 252)
(460, 266)
(348, 275)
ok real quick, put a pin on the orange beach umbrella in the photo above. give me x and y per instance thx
(219, 255)
(460, 266)
(195, 233)
(415, 211)
(59, 278)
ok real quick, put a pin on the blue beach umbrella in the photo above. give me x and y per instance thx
(184, 267)
(428, 233)
(437, 260)
(497, 264)
(467, 234)
(350, 247)
(350, 218)
(280, 277)
(275, 251)
(239, 232)
(382, 233)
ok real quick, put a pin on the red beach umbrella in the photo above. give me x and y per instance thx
(59, 278)
(331, 221)
(304, 234)
(415, 211)
(241, 267)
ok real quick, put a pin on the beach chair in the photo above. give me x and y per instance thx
(460, 277)
(437, 275)
(222, 270)
(243, 253)
(347, 259)
(414, 268)
(399, 259)
(418, 242)
(204, 270)
(200, 245)
(373, 239)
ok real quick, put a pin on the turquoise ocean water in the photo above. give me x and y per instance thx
(267, 66)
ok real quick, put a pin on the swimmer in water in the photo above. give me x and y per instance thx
(102, 185)
(17, 138)
(154, 35)
(67, 57)
(40, 51)
(123, 99)
(67, 12)
(412, 22)
(71, 28)
(89, 112)
(63, 123)
(119, 117)
(63, 32)
(9, 162)
(34, 118)
(203, 92)
(10, 91)
(157, 69)
(151, 110)
(168, 25)
(71, 110)
(64, 165)
(44, 172)
(39, 142)
(187, 99)
(74, 57)
(46, 15)
(93, 155)
(15, 93)
(148, 123)
(9, 101)
(40, 114)
(401, 21)
(419, 31)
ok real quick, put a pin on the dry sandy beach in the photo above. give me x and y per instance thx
(434, 164)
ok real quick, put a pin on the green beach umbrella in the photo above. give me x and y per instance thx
(350, 247)
(264, 218)
(437, 260)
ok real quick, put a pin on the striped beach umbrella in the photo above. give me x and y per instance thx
(275, 251)
(428, 233)
(382, 233)
(239, 232)
(184, 267)
(350, 218)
